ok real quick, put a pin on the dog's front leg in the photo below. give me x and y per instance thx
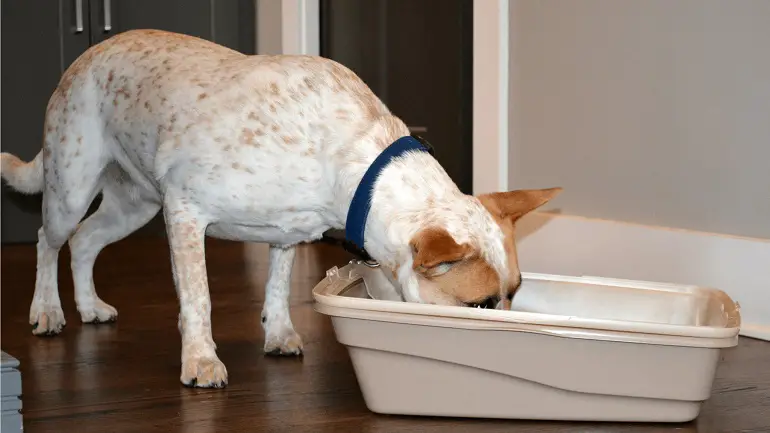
(186, 232)
(280, 337)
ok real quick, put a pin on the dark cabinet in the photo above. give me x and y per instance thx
(40, 39)
(227, 22)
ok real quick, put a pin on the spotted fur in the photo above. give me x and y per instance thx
(251, 148)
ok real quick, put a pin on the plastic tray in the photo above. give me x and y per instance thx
(571, 348)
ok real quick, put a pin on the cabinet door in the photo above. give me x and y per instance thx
(417, 56)
(227, 22)
(39, 41)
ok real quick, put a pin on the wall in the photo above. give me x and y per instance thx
(654, 112)
(269, 26)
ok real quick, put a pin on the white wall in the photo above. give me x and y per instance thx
(654, 112)
(655, 116)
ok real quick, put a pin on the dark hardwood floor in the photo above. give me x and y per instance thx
(124, 377)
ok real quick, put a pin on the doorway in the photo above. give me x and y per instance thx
(417, 56)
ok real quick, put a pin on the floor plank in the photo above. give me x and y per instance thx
(123, 377)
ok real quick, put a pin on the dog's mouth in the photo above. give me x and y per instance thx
(489, 303)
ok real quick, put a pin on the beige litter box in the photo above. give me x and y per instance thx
(572, 348)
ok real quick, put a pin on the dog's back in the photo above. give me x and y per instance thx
(159, 93)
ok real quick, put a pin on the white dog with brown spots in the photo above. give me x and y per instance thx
(251, 148)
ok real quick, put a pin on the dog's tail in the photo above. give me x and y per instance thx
(24, 177)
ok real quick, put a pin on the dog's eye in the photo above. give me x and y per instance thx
(441, 268)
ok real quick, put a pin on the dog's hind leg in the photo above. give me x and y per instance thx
(61, 214)
(280, 337)
(45, 313)
(123, 210)
(73, 160)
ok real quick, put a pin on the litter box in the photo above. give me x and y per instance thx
(570, 348)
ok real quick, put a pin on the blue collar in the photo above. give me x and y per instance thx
(362, 199)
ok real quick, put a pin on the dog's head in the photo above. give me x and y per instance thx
(473, 263)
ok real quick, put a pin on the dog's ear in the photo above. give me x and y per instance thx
(512, 205)
(434, 251)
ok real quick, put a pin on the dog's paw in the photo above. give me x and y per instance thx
(47, 321)
(204, 372)
(99, 312)
(287, 343)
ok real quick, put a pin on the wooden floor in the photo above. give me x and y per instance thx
(123, 377)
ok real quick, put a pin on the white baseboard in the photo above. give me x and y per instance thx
(569, 245)
(760, 332)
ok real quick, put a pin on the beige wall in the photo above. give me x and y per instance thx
(654, 111)
(269, 27)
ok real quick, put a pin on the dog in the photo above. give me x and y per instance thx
(259, 148)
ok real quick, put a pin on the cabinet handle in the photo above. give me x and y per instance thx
(107, 15)
(78, 16)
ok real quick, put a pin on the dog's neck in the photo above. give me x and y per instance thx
(411, 192)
